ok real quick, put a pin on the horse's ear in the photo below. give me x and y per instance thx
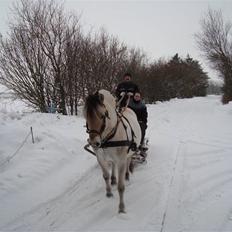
(101, 98)
(96, 93)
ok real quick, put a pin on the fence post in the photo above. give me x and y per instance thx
(32, 136)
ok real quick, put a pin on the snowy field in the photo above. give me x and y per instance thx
(54, 185)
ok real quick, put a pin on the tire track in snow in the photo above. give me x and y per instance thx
(178, 153)
(196, 191)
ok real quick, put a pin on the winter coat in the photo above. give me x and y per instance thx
(140, 110)
(126, 86)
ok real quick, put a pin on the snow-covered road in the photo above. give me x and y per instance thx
(54, 185)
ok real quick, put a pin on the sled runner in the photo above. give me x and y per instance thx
(139, 157)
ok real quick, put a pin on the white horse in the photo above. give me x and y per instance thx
(114, 138)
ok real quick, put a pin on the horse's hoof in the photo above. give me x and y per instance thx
(121, 211)
(121, 208)
(109, 195)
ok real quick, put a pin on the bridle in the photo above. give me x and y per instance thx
(103, 126)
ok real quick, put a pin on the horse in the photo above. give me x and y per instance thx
(114, 137)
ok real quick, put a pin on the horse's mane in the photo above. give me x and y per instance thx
(91, 104)
(99, 98)
(108, 98)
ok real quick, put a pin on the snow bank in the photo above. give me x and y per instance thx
(54, 185)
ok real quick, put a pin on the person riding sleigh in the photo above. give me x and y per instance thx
(128, 89)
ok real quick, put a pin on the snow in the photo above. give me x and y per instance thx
(55, 185)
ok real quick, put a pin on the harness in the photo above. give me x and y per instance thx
(106, 115)
(106, 143)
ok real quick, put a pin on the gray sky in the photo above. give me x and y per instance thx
(160, 28)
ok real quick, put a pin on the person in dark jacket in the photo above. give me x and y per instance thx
(126, 86)
(140, 109)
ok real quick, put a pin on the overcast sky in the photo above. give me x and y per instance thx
(160, 28)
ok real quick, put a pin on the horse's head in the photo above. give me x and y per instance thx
(96, 114)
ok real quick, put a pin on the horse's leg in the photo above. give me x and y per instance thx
(113, 175)
(121, 186)
(106, 176)
(131, 165)
(127, 176)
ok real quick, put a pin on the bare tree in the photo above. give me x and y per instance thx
(112, 56)
(50, 26)
(73, 46)
(215, 42)
(102, 61)
(33, 59)
(23, 65)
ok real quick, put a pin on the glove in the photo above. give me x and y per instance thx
(130, 94)
(122, 94)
